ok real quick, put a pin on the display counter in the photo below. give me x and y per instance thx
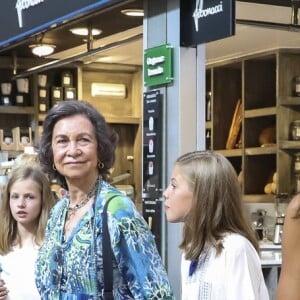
(271, 265)
(270, 254)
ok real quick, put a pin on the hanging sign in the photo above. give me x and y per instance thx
(158, 65)
(23, 18)
(203, 21)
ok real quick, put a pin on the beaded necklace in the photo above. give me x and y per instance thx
(72, 210)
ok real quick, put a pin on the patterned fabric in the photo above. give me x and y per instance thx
(72, 269)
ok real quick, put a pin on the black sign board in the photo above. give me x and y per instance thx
(204, 21)
(152, 149)
(23, 18)
(152, 157)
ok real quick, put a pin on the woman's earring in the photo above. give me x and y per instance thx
(100, 165)
(53, 167)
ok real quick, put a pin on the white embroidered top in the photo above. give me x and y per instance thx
(235, 274)
(18, 273)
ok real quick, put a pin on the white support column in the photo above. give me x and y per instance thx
(184, 108)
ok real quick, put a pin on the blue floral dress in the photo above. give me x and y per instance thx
(72, 269)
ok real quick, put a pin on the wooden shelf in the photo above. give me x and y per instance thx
(110, 119)
(289, 145)
(257, 198)
(123, 120)
(20, 110)
(231, 152)
(261, 150)
(289, 101)
(260, 112)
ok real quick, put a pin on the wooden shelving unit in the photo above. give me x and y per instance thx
(124, 115)
(263, 81)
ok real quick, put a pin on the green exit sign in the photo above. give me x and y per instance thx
(158, 65)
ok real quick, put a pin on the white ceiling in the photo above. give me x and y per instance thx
(248, 39)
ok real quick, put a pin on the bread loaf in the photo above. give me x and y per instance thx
(235, 126)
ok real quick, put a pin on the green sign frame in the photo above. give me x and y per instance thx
(158, 65)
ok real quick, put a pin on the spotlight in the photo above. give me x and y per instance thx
(85, 31)
(133, 12)
(42, 49)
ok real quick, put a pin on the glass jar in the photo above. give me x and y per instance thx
(296, 86)
(297, 183)
(295, 130)
(208, 139)
(208, 106)
(297, 163)
(282, 200)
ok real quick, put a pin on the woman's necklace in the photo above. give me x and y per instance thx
(71, 211)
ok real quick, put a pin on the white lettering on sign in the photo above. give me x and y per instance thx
(25, 4)
(157, 71)
(152, 61)
(203, 13)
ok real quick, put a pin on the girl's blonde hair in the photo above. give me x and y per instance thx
(217, 206)
(9, 235)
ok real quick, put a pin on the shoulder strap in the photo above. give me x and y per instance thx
(107, 253)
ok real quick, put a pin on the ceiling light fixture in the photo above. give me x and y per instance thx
(85, 31)
(133, 12)
(62, 62)
(42, 49)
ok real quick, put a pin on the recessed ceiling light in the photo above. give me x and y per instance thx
(42, 49)
(106, 59)
(85, 31)
(133, 12)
